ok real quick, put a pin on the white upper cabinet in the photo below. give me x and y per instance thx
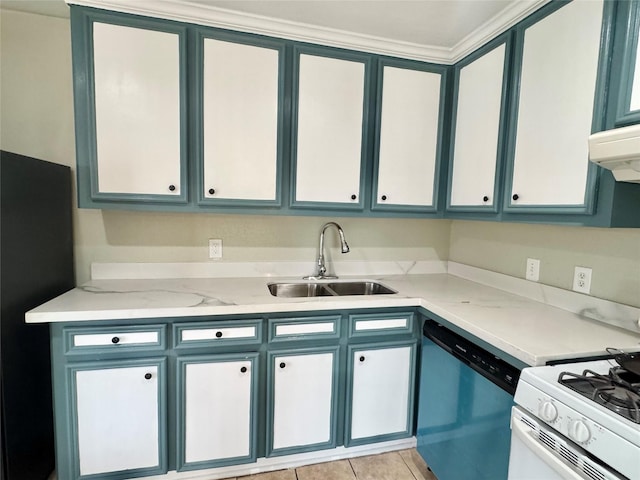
(478, 113)
(555, 109)
(328, 135)
(138, 111)
(408, 148)
(240, 114)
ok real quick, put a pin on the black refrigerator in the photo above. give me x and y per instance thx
(36, 264)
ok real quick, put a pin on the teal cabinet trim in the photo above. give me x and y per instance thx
(197, 116)
(114, 340)
(181, 364)
(408, 431)
(441, 70)
(270, 451)
(624, 60)
(505, 39)
(380, 324)
(218, 334)
(73, 469)
(339, 54)
(82, 20)
(588, 206)
(295, 329)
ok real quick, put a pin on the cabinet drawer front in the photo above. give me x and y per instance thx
(111, 339)
(306, 328)
(217, 333)
(381, 324)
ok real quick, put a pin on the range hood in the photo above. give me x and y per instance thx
(619, 151)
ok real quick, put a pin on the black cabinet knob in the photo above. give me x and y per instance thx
(362, 358)
(282, 365)
(384, 197)
(211, 191)
(115, 340)
(218, 334)
(147, 376)
(353, 197)
(515, 196)
(172, 188)
(243, 369)
(485, 199)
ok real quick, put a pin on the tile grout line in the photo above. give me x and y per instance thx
(408, 467)
(355, 475)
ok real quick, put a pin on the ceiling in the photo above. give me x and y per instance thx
(435, 24)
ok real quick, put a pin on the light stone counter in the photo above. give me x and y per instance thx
(531, 322)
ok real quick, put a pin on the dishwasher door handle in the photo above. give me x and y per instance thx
(525, 434)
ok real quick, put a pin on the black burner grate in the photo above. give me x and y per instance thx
(619, 391)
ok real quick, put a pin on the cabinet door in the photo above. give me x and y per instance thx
(330, 135)
(217, 419)
(555, 106)
(138, 83)
(380, 398)
(302, 400)
(625, 64)
(119, 412)
(480, 87)
(408, 146)
(241, 114)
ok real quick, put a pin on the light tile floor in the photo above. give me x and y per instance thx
(400, 465)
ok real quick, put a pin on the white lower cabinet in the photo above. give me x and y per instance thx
(301, 400)
(217, 419)
(119, 412)
(381, 382)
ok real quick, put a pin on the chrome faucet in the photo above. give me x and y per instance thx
(321, 273)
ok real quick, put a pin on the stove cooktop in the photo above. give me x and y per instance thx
(618, 390)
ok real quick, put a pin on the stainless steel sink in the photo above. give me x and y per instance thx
(359, 288)
(299, 290)
(318, 289)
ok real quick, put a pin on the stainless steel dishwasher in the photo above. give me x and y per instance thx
(464, 407)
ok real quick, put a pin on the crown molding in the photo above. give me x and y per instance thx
(506, 19)
(196, 13)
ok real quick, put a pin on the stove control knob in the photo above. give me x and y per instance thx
(579, 432)
(548, 411)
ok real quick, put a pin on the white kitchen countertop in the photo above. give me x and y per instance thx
(525, 325)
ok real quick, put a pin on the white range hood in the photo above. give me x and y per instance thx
(619, 151)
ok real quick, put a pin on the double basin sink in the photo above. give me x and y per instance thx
(328, 289)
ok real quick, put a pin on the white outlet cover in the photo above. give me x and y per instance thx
(582, 280)
(215, 248)
(533, 269)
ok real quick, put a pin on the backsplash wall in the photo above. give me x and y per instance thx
(37, 120)
(613, 254)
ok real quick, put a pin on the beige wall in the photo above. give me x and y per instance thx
(613, 254)
(37, 120)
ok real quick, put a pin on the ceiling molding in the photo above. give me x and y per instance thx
(197, 13)
(506, 19)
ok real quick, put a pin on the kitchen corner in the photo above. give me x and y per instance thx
(530, 322)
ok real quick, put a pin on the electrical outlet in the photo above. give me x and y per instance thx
(533, 269)
(215, 248)
(582, 280)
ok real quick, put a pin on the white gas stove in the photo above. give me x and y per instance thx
(591, 413)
